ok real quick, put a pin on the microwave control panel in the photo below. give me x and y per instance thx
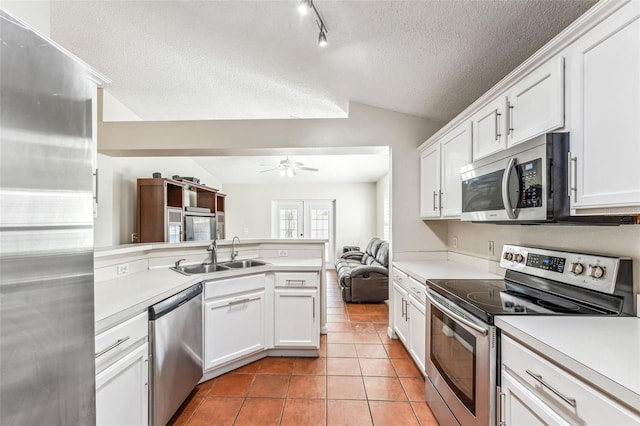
(530, 177)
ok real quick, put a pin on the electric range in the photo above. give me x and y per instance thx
(462, 342)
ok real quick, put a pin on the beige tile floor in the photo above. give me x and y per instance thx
(362, 377)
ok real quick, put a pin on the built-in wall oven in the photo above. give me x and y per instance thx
(462, 344)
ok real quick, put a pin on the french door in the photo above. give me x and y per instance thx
(311, 219)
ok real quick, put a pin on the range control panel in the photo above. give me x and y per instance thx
(595, 272)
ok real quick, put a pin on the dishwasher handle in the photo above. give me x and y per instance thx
(171, 303)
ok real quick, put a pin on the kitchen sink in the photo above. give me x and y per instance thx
(204, 268)
(241, 264)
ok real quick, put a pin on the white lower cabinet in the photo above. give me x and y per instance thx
(409, 316)
(296, 318)
(534, 391)
(122, 374)
(122, 390)
(234, 327)
(400, 320)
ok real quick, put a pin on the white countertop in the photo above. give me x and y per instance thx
(602, 350)
(422, 270)
(128, 295)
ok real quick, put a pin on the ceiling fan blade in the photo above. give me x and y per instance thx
(309, 169)
(269, 170)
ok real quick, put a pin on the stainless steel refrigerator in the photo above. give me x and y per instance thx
(47, 371)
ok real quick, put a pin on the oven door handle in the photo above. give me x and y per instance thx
(457, 317)
(506, 200)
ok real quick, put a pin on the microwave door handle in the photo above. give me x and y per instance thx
(506, 200)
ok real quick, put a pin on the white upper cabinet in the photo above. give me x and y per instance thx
(536, 103)
(489, 130)
(605, 115)
(430, 182)
(455, 153)
(440, 182)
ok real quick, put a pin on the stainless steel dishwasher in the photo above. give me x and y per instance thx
(175, 333)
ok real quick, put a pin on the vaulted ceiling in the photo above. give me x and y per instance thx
(191, 60)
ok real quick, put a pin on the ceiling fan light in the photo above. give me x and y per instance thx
(281, 172)
(322, 39)
(290, 173)
(304, 6)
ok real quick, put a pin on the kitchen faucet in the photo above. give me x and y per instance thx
(234, 253)
(213, 248)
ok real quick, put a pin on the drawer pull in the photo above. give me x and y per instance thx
(115, 345)
(295, 282)
(241, 301)
(539, 379)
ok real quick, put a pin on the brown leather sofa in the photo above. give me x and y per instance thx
(364, 276)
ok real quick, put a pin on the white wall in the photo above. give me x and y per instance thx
(382, 194)
(114, 110)
(35, 13)
(365, 126)
(623, 241)
(117, 203)
(248, 208)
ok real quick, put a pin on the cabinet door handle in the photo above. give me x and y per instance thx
(406, 314)
(510, 127)
(440, 201)
(402, 313)
(314, 307)
(497, 118)
(295, 282)
(96, 179)
(113, 346)
(539, 379)
(238, 302)
(572, 176)
(501, 409)
(435, 194)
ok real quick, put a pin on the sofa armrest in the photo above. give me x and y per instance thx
(367, 270)
(352, 255)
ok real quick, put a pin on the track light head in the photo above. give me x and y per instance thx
(304, 6)
(322, 39)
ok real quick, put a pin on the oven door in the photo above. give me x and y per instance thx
(461, 361)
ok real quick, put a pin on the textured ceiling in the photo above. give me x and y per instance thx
(362, 168)
(179, 60)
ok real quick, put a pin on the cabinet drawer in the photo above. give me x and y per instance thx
(573, 399)
(119, 338)
(400, 277)
(226, 287)
(296, 279)
(417, 290)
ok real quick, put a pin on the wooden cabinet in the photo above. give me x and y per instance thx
(296, 310)
(534, 391)
(605, 115)
(161, 207)
(440, 182)
(122, 373)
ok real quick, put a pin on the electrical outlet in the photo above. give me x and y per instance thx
(490, 248)
(245, 230)
(134, 237)
(455, 242)
(283, 253)
(123, 268)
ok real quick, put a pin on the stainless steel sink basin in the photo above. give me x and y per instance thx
(240, 264)
(204, 268)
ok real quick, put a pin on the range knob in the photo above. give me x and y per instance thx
(508, 255)
(518, 308)
(576, 268)
(519, 258)
(596, 271)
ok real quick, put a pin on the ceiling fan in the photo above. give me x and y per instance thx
(289, 168)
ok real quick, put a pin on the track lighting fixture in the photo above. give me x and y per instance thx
(303, 8)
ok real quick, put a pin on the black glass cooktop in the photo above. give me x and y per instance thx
(487, 298)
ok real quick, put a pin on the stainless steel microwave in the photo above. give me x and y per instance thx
(525, 184)
(200, 226)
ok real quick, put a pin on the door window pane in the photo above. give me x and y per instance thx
(288, 223)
